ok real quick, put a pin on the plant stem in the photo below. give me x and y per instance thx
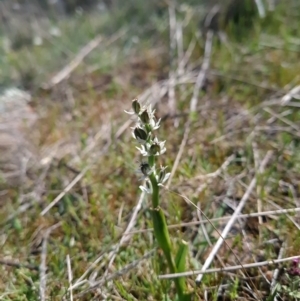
(161, 232)
(151, 161)
(143, 132)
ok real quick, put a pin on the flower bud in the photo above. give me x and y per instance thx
(140, 134)
(145, 117)
(161, 174)
(154, 149)
(147, 188)
(136, 106)
(148, 185)
(145, 168)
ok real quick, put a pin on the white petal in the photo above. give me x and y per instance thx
(128, 112)
(166, 177)
(144, 189)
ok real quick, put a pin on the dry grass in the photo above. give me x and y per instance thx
(75, 227)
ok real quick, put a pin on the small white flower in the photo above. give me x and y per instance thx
(147, 188)
(147, 116)
(143, 151)
(154, 148)
(154, 125)
(140, 134)
(162, 176)
(145, 170)
(129, 112)
(135, 106)
(166, 177)
(157, 148)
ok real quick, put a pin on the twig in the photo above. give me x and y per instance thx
(283, 119)
(210, 15)
(35, 197)
(180, 67)
(76, 179)
(288, 216)
(208, 178)
(68, 69)
(43, 276)
(204, 231)
(66, 190)
(180, 152)
(201, 76)
(233, 219)
(70, 276)
(260, 8)
(292, 104)
(80, 281)
(119, 273)
(185, 58)
(292, 190)
(271, 5)
(18, 264)
(228, 269)
(129, 227)
(276, 272)
(290, 95)
(216, 173)
(172, 25)
(124, 238)
(258, 188)
(104, 131)
(219, 219)
(194, 101)
(43, 266)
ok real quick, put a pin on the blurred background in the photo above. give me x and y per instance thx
(59, 51)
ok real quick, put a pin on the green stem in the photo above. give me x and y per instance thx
(151, 161)
(161, 232)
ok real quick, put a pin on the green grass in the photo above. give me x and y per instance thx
(77, 131)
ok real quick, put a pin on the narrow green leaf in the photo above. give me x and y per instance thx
(161, 230)
(180, 258)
